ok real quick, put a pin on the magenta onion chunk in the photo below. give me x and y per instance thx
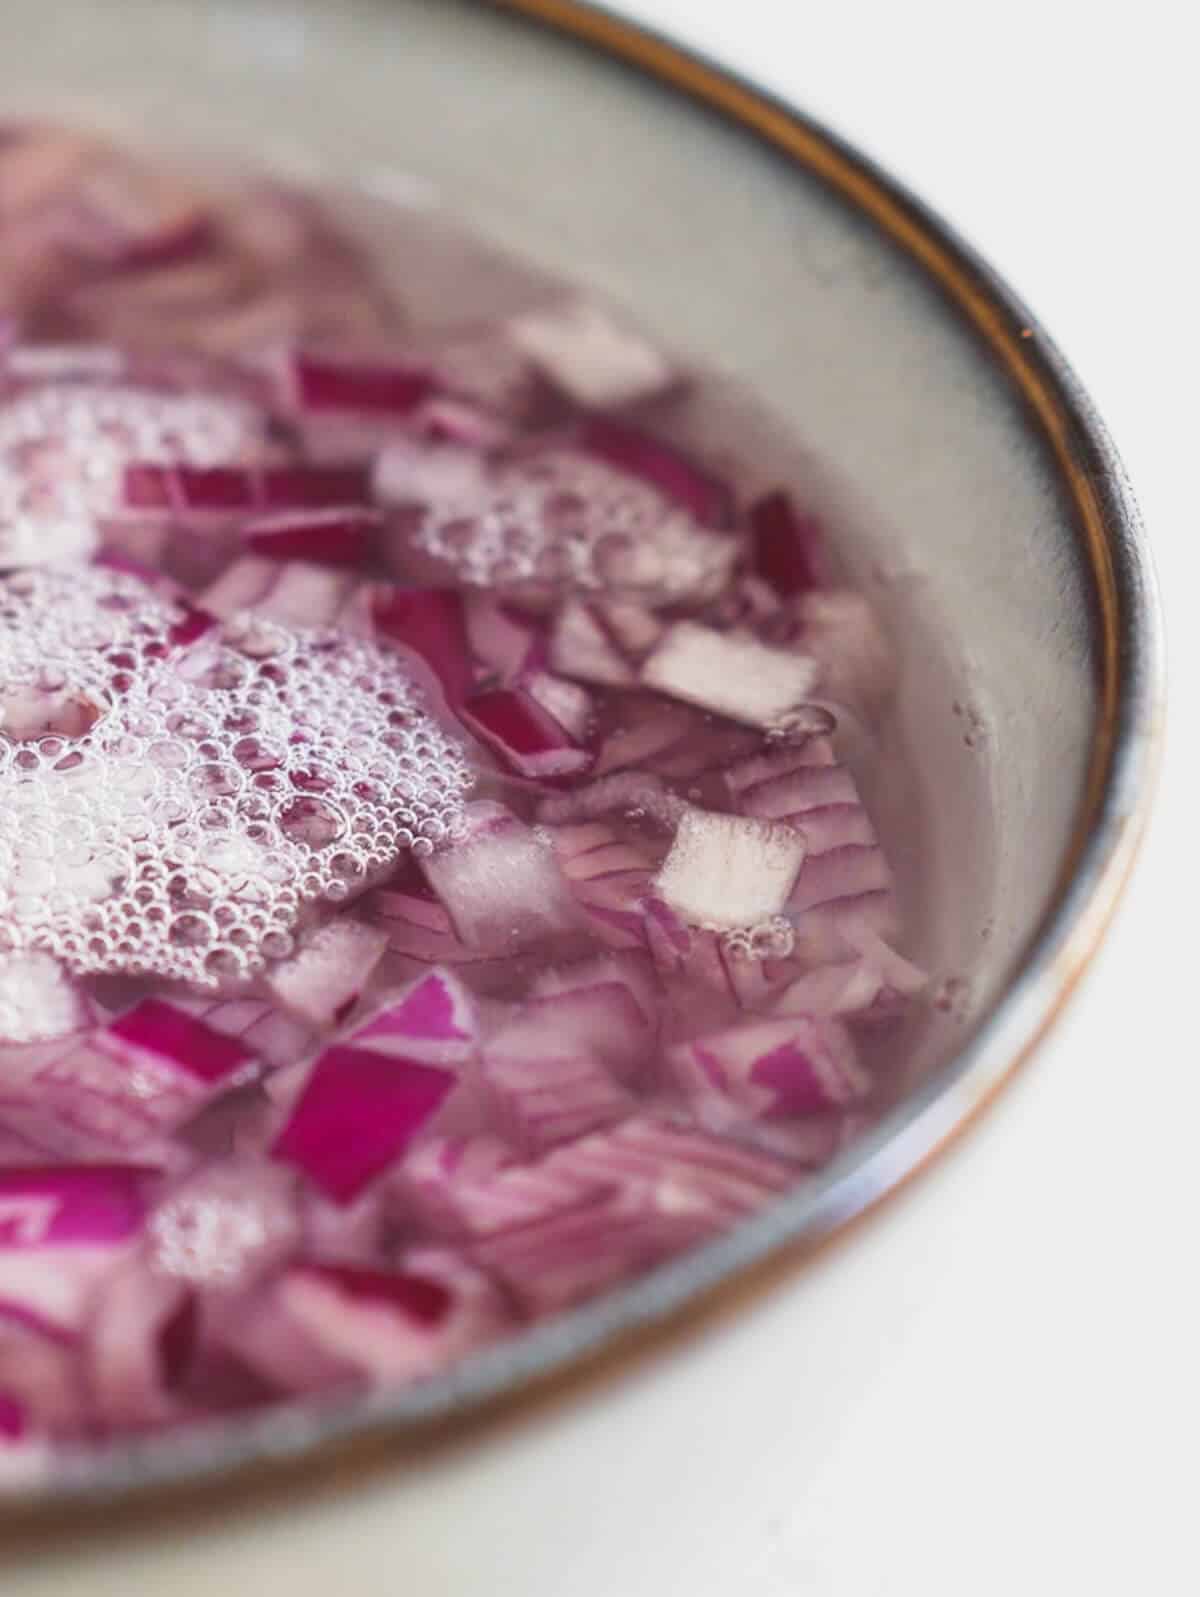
(357, 1113)
(337, 1043)
(230, 490)
(335, 537)
(121, 1088)
(434, 1021)
(786, 544)
(524, 734)
(386, 388)
(664, 468)
(392, 1325)
(430, 622)
(802, 1065)
(54, 1206)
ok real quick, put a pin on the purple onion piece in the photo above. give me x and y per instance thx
(786, 544)
(358, 1112)
(338, 537)
(431, 623)
(526, 737)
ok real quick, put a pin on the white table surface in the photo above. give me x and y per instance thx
(991, 1387)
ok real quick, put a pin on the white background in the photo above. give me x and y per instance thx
(991, 1388)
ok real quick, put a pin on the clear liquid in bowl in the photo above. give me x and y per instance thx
(436, 885)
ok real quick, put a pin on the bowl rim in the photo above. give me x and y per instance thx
(304, 1441)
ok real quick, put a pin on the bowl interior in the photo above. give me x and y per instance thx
(871, 394)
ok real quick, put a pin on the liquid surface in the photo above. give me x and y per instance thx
(432, 885)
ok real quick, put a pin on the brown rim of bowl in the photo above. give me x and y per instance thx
(319, 1443)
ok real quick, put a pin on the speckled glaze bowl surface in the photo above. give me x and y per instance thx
(928, 418)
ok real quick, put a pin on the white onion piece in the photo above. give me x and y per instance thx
(580, 648)
(729, 871)
(738, 677)
(502, 886)
(567, 702)
(587, 353)
(321, 983)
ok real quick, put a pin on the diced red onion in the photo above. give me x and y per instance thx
(527, 738)
(603, 1020)
(562, 1256)
(568, 703)
(502, 642)
(41, 1394)
(159, 1037)
(552, 1098)
(320, 984)
(431, 623)
(805, 784)
(633, 627)
(343, 537)
(140, 1339)
(400, 1324)
(434, 1021)
(98, 1205)
(550, 1071)
(39, 1001)
(178, 243)
(434, 1172)
(13, 1422)
(122, 1088)
(737, 677)
(853, 879)
(729, 870)
(560, 1053)
(62, 1227)
(358, 1112)
(225, 1227)
(667, 936)
(502, 886)
(795, 1066)
(581, 648)
(609, 877)
(869, 982)
(633, 970)
(786, 544)
(387, 388)
(587, 353)
(263, 1031)
(234, 490)
(659, 465)
(421, 929)
(346, 1233)
(619, 1201)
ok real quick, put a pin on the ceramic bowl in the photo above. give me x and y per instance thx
(927, 415)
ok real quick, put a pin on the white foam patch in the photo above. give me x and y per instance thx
(218, 790)
(64, 446)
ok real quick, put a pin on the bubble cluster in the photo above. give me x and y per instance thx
(171, 811)
(224, 1225)
(565, 519)
(63, 446)
(770, 939)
